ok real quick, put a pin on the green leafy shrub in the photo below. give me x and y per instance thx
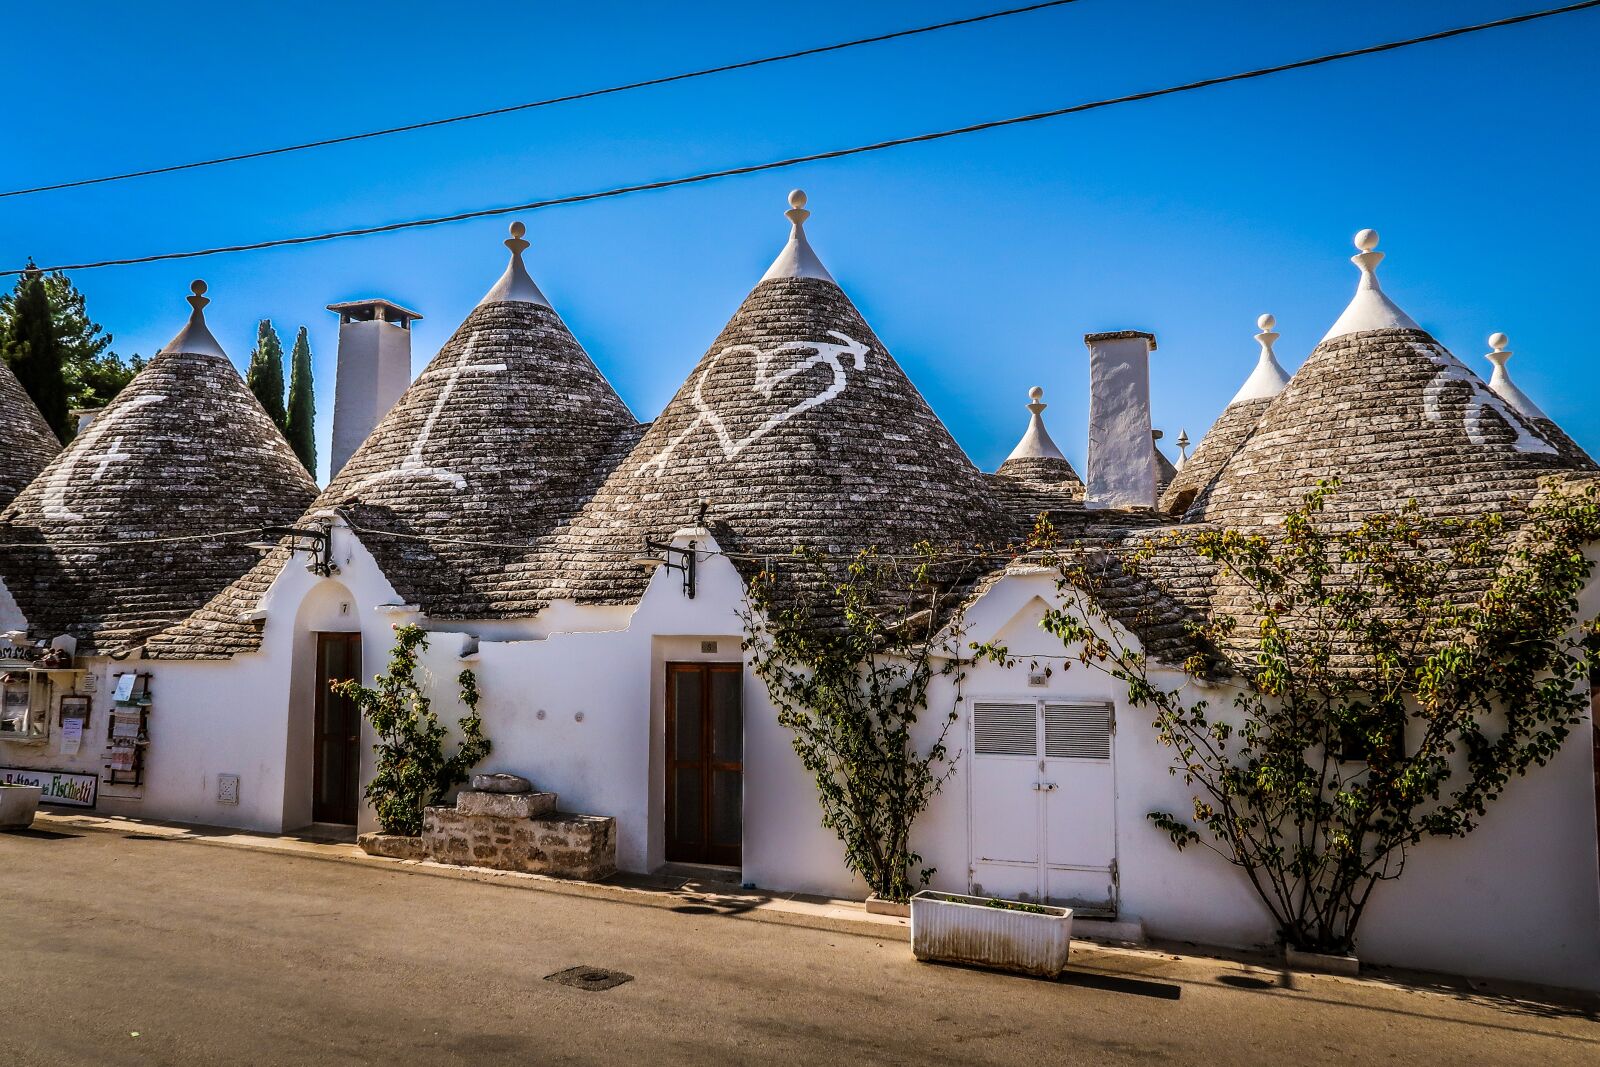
(413, 770)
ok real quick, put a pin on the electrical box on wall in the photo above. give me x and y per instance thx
(227, 789)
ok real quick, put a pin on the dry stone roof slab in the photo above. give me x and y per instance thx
(114, 540)
(27, 444)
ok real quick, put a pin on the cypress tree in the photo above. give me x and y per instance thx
(32, 348)
(302, 404)
(265, 376)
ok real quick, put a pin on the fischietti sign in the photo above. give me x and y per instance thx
(56, 787)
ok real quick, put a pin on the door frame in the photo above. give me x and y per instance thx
(318, 707)
(713, 855)
(1039, 700)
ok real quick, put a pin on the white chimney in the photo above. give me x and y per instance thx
(374, 369)
(1122, 461)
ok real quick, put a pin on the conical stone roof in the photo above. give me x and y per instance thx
(1388, 410)
(145, 515)
(496, 444)
(797, 427)
(27, 443)
(1189, 487)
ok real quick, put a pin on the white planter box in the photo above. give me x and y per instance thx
(18, 803)
(951, 928)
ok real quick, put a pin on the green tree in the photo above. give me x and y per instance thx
(1375, 705)
(93, 373)
(847, 659)
(413, 771)
(302, 412)
(265, 376)
(32, 348)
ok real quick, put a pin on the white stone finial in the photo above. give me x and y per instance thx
(797, 212)
(1502, 385)
(1036, 442)
(515, 284)
(1269, 377)
(195, 337)
(1369, 309)
(797, 260)
(1183, 449)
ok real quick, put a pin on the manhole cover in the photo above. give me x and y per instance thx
(592, 979)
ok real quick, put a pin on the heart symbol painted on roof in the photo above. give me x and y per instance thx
(767, 379)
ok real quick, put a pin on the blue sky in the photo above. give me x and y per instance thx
(980, 261)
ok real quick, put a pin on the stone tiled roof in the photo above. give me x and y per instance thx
(501, 439)
(1231, 430)
(1395, 416)
(109, 544)
(796, 428)
(26, 441)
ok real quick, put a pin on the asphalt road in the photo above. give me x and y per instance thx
(127, 950)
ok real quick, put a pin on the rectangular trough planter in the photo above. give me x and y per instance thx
(18, 805)
(953, 928)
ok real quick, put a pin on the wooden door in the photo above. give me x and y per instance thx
(336, 789)
(705, 763)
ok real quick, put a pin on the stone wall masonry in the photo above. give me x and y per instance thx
(559, 844)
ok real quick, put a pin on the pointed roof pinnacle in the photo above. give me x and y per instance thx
(797, 260)
(515, 284)
(1036, 443)
(195, 337)
(1501, 381)
(1183, 448)
(1369, 309)
(1269, 377)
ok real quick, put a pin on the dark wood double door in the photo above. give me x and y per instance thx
(705, 763)
(336, 781)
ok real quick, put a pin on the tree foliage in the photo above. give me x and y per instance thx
(1375, 703)
(265, 374)
(33, 350)
(299, 426)
(847, 659)
(91, 373)
(413, 770)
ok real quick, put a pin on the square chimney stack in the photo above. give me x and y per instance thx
(374, 368)
(1122, 457)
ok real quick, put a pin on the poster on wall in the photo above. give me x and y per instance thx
(61, 788)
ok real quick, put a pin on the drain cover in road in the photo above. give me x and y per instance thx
(592, 979)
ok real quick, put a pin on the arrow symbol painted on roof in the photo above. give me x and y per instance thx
(1480, 401)
(821, 353)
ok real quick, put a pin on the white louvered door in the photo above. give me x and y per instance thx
(1042, 803)
(1080, 836)
(1005, 801)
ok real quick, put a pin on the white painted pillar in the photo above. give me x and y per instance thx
(1122, 463)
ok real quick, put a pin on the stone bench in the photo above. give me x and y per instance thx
(509, 832)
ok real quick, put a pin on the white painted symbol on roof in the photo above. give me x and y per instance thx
(822, 353)
(413, 466)
(61, 479)
(1480, 401)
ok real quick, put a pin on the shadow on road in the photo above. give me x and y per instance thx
(1111, 983)
(43, 835)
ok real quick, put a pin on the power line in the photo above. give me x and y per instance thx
(567, 99)
(839, 153)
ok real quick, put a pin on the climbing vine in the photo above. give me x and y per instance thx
(1374, 703)
(413, 770)
(848, 652)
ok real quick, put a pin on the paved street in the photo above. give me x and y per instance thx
(220, 955)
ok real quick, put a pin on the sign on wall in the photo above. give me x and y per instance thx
(59, 787)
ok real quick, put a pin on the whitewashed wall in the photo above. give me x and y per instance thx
(1520, 898)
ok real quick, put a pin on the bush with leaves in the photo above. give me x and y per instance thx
(1377, 704)
(413, 770)
(848, 653)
